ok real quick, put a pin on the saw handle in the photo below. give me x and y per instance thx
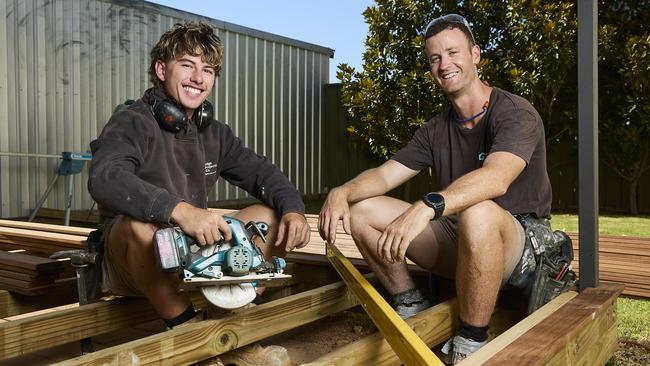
(258, 228)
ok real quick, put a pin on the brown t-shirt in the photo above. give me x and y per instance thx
(510, 124)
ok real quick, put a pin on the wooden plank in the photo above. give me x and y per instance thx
(408, 346)
(30, 262)
(594, 345)
(433, 326)
(545, 340)
(63, 292)
(33, 333)
(73, 230)
(507, 337)
(199, 341)
(74, 240)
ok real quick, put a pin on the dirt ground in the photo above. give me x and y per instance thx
(313, 340)
(632, 353)
(308, 342)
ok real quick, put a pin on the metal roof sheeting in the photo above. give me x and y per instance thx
(70, 62)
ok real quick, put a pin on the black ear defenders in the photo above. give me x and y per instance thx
(172, 118)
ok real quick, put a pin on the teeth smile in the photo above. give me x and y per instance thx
(449, 76)
(191, 90)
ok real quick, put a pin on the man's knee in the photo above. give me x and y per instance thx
(259, 213)
(479, 221)
(360, 215)
(131, 231)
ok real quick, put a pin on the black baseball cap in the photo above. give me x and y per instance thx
(450, 20)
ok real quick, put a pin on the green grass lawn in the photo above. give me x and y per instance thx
(607, 224)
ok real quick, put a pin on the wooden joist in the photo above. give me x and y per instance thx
(202, 340)
(63, 291)
(26, 333)
(433, 325)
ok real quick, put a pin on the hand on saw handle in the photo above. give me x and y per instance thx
(203, 225)
(293, 230)
(335, 208)
(397, 236)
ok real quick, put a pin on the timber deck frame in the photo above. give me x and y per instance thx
(572, 329)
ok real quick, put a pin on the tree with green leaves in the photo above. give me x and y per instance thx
(394, 94)
(539, 60)
(624, 101)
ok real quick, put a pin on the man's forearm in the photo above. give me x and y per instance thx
(486, 183)
(377, 181)
(365, 185)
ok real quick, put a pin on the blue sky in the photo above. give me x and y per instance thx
(337, 24)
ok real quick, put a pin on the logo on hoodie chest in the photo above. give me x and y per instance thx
(210, 168)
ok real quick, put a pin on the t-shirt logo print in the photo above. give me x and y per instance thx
(210, 168)
(481, 156)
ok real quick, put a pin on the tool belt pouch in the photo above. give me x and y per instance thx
(546, 286)
(544, 270)
(95, 244)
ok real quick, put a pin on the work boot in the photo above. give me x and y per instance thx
(458, 348)
(256, 355)
(409, 303)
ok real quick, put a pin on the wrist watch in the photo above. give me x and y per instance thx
(436, 201)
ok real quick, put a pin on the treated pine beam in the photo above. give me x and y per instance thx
(199, 341)
(568, 334)
(408, 346)
(432, 325)
(67, 323)
(63, 292)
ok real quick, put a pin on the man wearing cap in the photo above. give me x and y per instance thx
(488, 152)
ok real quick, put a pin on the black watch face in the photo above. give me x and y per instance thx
(434, 199)
(437, 202)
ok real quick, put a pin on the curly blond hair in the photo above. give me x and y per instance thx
(189, 38)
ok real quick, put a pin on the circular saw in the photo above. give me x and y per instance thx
(226, 272)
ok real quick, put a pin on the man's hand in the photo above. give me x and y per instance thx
(335, 208)
(397, 236)
(294, 230)
(201, 224)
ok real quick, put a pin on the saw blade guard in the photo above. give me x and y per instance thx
(230, 296)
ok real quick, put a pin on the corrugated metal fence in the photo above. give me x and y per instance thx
(65, 64)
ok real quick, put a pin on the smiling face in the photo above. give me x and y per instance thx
(187, 79)
(453, 60)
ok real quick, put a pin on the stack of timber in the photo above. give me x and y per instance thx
(622, 259)
(25, 247)
(40, 239)
(28, 274)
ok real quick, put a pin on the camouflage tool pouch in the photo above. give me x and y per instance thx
(545, 270)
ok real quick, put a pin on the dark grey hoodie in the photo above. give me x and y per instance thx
(142, 171)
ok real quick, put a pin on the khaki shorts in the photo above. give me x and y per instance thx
(446, 231)
(115, 277)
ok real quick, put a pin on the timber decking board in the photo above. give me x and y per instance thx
(44, 236)
(73, 230)
(30, 262)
